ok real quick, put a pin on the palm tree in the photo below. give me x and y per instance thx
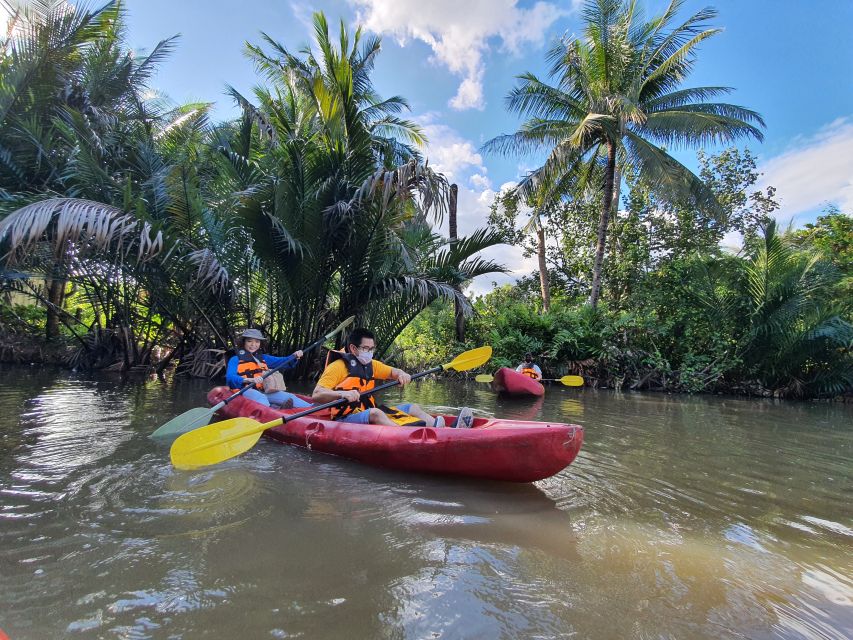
(331, 191)
(71, 111)
(314, 204)
(76, 122)
(799, 343)
(617, 96)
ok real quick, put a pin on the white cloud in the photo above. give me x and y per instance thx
(458, 32)
(479, 181)
(819, 169)
(510, 257)
(451, 154)
(732, 241)
(457, 158)
(303, 13)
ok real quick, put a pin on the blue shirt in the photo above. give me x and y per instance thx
(235, 381)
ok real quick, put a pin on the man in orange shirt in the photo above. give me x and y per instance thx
(351, 372)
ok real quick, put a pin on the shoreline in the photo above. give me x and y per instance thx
(60, 364)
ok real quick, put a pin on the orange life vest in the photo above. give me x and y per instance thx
(252, 365)
(360, 377)
(531, 372)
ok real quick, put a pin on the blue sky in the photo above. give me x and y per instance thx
(455, 60)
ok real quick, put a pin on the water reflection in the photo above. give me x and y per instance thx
(681, 517)
(489, 515)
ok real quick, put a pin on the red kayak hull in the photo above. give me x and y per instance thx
(514, 383)
(494, 449)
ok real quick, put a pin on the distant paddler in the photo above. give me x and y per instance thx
(529, 368)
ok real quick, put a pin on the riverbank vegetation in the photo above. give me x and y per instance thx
(147, 234)
(773, 319)
(139, 234)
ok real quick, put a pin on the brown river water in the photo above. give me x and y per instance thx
(682, 517)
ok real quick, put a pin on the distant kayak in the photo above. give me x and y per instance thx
(513, 383)
(494, 449)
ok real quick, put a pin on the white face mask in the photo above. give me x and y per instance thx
(365, 358)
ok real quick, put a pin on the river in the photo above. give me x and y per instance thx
(682, 517)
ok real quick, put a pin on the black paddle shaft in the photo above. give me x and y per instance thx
(334, 403)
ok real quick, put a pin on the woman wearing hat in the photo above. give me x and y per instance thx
(250, 364)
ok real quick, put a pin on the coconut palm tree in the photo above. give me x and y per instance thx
(616, 100)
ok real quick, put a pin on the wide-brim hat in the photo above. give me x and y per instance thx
(252, 333)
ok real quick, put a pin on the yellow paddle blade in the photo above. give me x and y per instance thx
(217, 442)
(572, 381)
(470, 359)
(484, 377)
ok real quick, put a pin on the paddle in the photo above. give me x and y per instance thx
(200, 416)
(223, 440)
(569, 381)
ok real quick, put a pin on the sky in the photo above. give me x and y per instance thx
(455, 61)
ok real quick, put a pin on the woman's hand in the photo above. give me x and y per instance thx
(298, 354)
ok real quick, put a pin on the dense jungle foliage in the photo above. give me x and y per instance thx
(773, 319)
(149, 235)
(137, 234)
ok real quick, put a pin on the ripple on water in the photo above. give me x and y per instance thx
(681, 518)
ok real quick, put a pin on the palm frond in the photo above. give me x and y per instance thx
(85, 225)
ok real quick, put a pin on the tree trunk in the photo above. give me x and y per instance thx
(457, 306)
(606, 206)
(615, 249)
(55, 298)
(543, 268)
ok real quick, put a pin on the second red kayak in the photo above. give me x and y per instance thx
(513, 383)
(495, 449)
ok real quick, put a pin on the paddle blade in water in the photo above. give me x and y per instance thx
(187, 421)
(470, 359)
(572, 381)
(217, 442)
(484, 377)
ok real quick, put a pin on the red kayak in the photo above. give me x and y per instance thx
(512, 382)
(493, 449)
